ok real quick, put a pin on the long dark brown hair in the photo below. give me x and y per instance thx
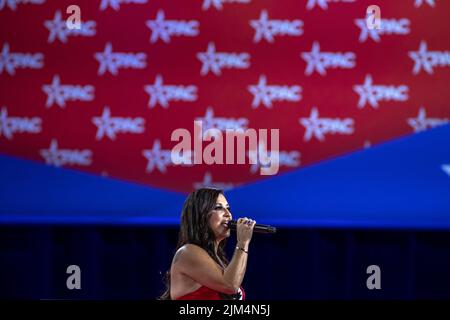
(195, 229)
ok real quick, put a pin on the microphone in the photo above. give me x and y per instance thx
(259, 228)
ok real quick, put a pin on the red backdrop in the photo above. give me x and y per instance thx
(367, 86)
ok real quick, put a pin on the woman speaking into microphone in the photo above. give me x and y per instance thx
(200, 269)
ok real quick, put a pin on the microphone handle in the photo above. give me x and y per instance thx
(258, 228)
(264, 228)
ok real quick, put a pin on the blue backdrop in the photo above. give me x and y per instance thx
(402, 183)
(388, 206)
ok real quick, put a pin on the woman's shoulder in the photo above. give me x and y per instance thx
(190, 247)
(188, 251)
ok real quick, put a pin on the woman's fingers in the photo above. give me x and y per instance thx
(246, 221)
(249, 223)
(242, 220)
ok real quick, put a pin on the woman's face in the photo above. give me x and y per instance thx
(218, 220)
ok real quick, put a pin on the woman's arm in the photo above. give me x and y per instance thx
(194, 262)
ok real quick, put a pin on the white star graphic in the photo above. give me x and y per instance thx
(7, 60)
(159, 28)
(366, 93)
(421, 59)
(321, 3)
(216, 3)
(422, 123)
(59, 157)
(255, 155)
(157, 158)
(260, 93)
(105, 125)
(52, 155)
(5, 128)
(208, 182)
(312, 126)
(57, 27)
(106, 60)
(314, 60)
(11, 125)
(55, 93)
(157, 93)
(115, 4)
(262, 28)
(366, 32)
(208, 119)
(419, 123)
(12, 4)
(209, 60)
(419, 3)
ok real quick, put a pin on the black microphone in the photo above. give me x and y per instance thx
(259, 228)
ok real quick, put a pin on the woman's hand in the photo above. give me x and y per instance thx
(244, 232)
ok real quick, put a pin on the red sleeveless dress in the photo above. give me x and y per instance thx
(205, 293)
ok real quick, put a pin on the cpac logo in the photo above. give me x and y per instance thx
(372, 94)
(12, 61)
(218, 3)
(11, 125)
(390, 26)
(216, 61)
(59, 93)
(267, 29)
(112, 61)
(115, 4)
(163, 94)
(58, 29)
(319, 127)
(265, 94)
(285, 158)
(110, 126)
(422, 123)
(419, 3)
(161, 158)
(208, 182)
(12, 4)
(323, 3)
(164, 29)
(59, 157)
(320, 61)
(221, 123)
(428, 59)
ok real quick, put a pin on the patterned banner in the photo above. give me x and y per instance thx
(106, 95)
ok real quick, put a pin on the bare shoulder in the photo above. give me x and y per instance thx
(188, 252)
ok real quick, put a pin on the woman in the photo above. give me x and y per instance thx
(200, 270)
